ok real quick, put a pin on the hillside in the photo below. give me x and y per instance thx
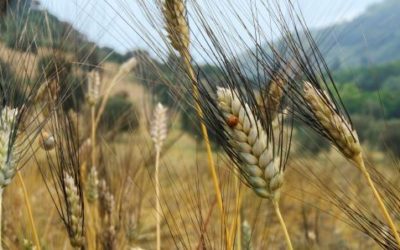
(27, 26)
(370, 39)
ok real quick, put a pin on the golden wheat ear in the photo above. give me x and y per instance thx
(176, 25)
(345, 138)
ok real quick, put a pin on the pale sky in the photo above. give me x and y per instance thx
(109, 22)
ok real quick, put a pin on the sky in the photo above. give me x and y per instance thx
(112, 22)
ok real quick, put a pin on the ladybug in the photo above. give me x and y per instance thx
(232, 121)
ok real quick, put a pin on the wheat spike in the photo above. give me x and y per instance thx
(106, 198)
(92, 185)
(158, 129)
(75, 213)
(128, 66)
(94, 83)
(336, 126)
(246, 235)
(176, 24)
(274, 98)
(346, 140)
(249, 140)
(7, 154)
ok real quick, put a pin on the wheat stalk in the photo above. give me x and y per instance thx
(158, 134)
(178, 34)
(345, 138)
(248, 139)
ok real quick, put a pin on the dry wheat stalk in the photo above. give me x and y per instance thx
(177, 27)
(158, 133)
(75, 212)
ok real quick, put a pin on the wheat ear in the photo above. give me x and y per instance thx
(74, 211)
(346, 140)
(7, 162)
(248, 139)
(274, 98)
(158, 134)
(178, 34)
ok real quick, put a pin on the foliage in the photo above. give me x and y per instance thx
(7, 77)
(56, 68)
(391, 137)
(119, 115)
(309, 142)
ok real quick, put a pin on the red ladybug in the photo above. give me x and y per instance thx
(232, 121)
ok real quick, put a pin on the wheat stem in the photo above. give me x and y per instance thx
(29, 210)
(204, 132)
(158, 133)
(93, 134)
(178, 33)
(359, 161)
(158, 207)
(282, 222)
(1, 213)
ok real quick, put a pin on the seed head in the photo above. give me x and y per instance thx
(93, 185)
(336, 126)
(176, 24)
(8, 157)
(75, 212)
(158, 129)
(249, 141)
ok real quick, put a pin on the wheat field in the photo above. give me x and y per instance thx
(231, 130)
